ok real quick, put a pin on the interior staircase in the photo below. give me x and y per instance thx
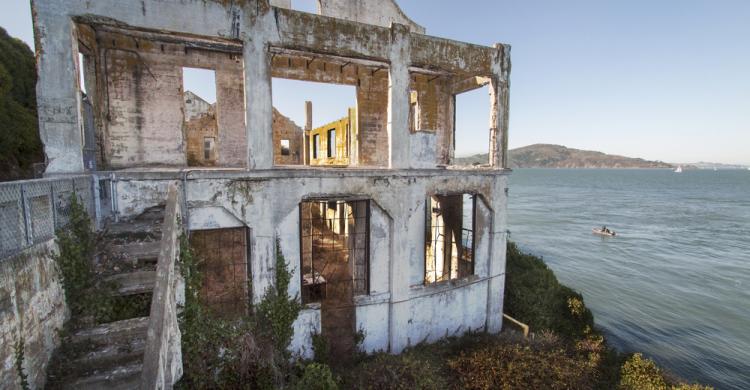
(110, 355)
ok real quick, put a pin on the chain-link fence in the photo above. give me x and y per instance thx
(31, 210)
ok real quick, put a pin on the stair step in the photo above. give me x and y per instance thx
(129, 231)
(131, 283)
(115, 378)
(105, 332)
(155, 213)
(138, 250)
(93, 357)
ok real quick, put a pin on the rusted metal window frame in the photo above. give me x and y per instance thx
(368, 226)
(429, 228)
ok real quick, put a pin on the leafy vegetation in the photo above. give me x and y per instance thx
(639, 373)
(20, 146)
(247, 352)
(566, 351)
(87, 296)
(77, 244)
(535, 297)
(23, 377)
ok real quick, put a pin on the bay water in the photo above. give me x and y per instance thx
(674, 283)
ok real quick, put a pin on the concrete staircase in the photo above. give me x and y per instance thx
(110, 356)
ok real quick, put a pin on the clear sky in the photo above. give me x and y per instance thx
(666, 80)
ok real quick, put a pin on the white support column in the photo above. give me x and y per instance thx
(58, 96)
(398, 98)
(497, 259)
(405, 237)
(259, 102)
(499, 106)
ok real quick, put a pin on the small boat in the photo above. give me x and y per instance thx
(678, 169)
(606, 233)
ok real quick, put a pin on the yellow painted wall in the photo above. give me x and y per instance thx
(346, 141)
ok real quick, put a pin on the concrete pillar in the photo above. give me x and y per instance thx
(398, 98)
(498, 245)
(308, 116)
(407, 256)
(57, 93)
(499, 106)
(259, 103)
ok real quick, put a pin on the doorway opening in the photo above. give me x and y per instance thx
(335, 240)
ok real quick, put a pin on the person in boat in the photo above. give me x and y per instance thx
(604, 229)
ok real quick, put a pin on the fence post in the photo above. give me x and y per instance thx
(54, 204)
(26, 217)
(96, 198)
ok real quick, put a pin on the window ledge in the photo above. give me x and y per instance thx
(374, 299)
(421, 290)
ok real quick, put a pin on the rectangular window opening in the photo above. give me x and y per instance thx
(315, 145)
(82, 62)
(449, 237)
(200, 119)
(471, 131)
(284, 147)
(334, 238)
(324, 114)
(331, 143)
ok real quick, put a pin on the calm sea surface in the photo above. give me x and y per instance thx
(675, 282)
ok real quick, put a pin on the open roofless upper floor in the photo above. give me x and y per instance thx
(136, 112)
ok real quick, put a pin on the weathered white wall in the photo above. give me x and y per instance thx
(400, 311)
(32, 306)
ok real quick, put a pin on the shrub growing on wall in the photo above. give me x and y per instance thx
(77, 246)
(248, 352)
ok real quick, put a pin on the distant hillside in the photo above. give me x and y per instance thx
(20, 146)
(558, 156)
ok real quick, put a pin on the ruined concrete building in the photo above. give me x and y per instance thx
(382, 233)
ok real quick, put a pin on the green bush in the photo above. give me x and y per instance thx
(20, 145)
(316, 376)
(403, 372)
(277, 311)
(534, 296)
(248, 352)
(547, 365)
(639, 373)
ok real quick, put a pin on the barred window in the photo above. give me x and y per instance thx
(449, 237)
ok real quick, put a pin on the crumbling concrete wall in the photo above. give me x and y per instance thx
(32, 309)
(268, 205)
(377, 12)
(201, 134)
(285, 129)
(248, 33)
(145, 106)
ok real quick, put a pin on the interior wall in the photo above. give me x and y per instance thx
(285, 128)
(435, 111)
(143, 101)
